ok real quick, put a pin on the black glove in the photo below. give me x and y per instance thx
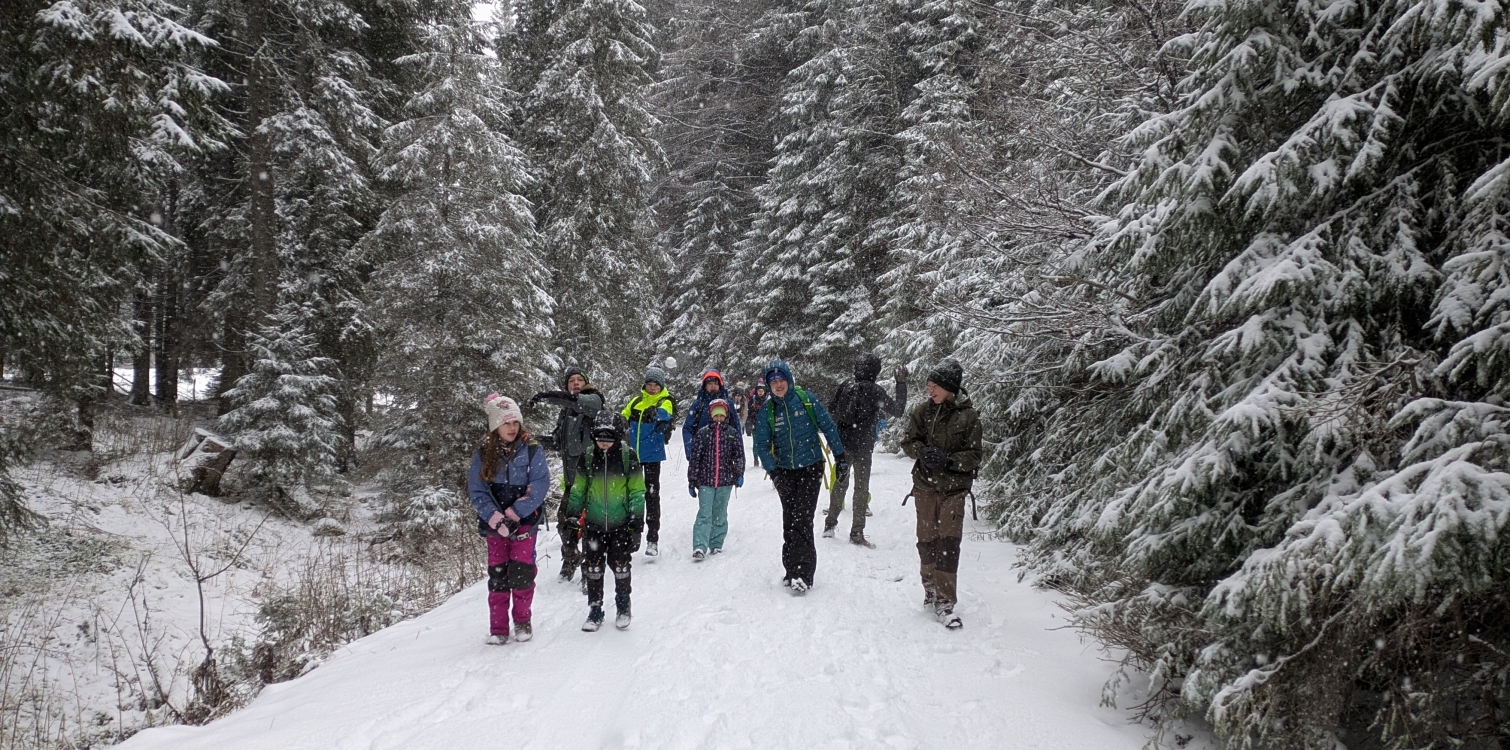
(934, 458)
(840, 465)
(901, 373)
(573, 522)
(548, 395)
(636, 530)
(692, 488)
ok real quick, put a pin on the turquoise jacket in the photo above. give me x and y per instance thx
(786, 434)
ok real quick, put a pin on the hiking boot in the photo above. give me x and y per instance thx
(594, 620)
(828, 532)
(860, 539)
(715, 551)
(929, 598)
(622, 621)
(652, 549)
(947, 617)
(567, 574)
(523, 632)
(698, 555)
(799, 587)
(497, 639)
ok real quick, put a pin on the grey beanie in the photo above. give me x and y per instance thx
(656, 375)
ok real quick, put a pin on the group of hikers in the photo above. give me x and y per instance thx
(611, 478)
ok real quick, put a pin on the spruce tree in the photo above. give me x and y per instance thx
(1294, 509)
(586, 124)
(813, 295)
(285, 427)
(460, 296)
(102, 102)
(285, 209)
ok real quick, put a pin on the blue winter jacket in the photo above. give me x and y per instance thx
(698, 417)
(526, 469)
(649, 425)
(785, 436)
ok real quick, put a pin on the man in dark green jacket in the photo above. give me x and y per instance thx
(943, 435)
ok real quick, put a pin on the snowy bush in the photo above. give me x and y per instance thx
(427, 514)
(15, 449)
(284, 424)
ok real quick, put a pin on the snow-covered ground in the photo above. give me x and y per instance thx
(719, 655)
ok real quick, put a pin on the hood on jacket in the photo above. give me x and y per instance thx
(867, 367)
(781, 369)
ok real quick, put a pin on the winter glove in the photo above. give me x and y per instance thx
(636, 530)
(901, 373)
(934, 458)
(573, 522)
(495, 519)
(692, 489)
(740, 482)
(840, 465)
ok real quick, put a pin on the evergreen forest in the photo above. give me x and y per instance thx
(1229, 279)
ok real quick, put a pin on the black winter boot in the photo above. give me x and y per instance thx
(594, 619)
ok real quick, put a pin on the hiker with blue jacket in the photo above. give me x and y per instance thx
(787, 444)
(507, 485)
(697, 413)
(649, 415)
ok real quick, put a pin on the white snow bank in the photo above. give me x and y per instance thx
(719, 655)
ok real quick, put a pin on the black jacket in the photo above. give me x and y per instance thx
(860, 403)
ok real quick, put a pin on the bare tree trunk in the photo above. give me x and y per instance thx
(141, 360)
(233, 362)
(167, 341)
(262, 88)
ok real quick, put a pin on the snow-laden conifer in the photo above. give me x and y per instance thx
(813, 296)
(586, 124)
(284, 426)
(460, 303)
(103, 99)
(1294, 510)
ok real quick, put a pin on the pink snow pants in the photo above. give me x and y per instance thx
(504, 553)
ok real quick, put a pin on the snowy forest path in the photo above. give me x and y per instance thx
(719, 655)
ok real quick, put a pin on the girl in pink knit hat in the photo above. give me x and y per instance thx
(507, 485)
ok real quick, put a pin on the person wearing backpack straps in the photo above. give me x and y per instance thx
(787, 444)
(507, 485)
(944, 437)
(855, 408)
(607, 503)
(697, 412)
(649, 416)
(579, 403)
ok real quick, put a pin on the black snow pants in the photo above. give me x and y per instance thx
(798, 490)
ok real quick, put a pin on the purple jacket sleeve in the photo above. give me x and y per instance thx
(478, 491)
(539, 478)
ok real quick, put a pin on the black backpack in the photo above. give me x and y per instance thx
(853, 407)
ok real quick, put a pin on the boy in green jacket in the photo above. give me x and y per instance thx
(607, 502)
